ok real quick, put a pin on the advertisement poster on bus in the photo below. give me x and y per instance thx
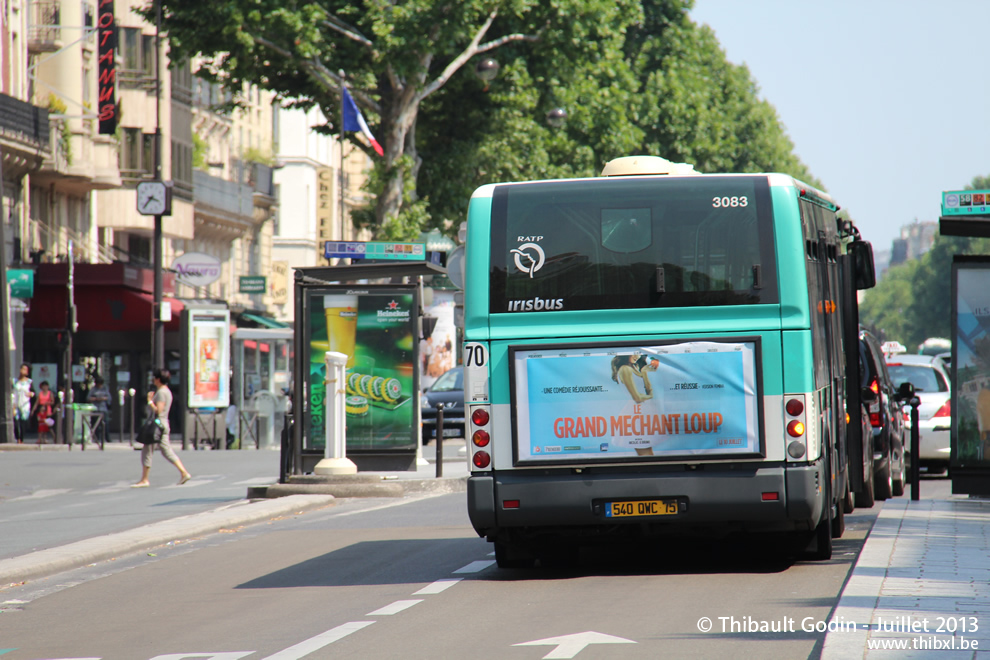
(606, 403)
(970, 438)
(375, 327)
(438, 352)
(209, 358)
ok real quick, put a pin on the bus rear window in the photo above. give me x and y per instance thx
(632, 243)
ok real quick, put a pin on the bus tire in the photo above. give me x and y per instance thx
(864, 497)
(839, 521)
(898, 482)
(848, 504)
(884, 485)
(507, 556)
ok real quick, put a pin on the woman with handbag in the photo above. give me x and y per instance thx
(159, 402)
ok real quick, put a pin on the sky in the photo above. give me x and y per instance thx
(886, 101)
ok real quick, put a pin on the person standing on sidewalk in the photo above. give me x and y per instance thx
(23, 393)
(160, 402)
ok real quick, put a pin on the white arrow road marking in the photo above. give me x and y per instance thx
(438, 586)
(569, 646)
(302, 649)
(394, 608)
(475, 566)
(225, 655)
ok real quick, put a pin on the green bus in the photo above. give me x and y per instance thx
(657, 351)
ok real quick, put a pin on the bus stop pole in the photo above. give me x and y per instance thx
(335, 459)
(915, 450)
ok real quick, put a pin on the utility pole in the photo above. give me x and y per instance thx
(158, 326)
(6, 411)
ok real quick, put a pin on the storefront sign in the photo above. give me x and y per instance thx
(324, 204)
(252, 284)
(21, 282)
(601, 403)
(106, 36)
(196, 269)
(279, 287)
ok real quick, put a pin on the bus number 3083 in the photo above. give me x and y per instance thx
(729, 202)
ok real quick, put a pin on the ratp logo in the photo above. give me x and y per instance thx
(531, 255)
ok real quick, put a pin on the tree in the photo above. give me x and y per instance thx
(391, 56)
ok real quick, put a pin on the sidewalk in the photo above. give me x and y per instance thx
(921, 586)
(292, 501)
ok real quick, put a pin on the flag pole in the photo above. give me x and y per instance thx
(340, 183)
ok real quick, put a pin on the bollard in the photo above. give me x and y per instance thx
(335, 459)
(121, 394)
(915, 450)
(130, 393)
(439, 439)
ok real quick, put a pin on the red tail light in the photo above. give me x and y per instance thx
(794, 407)
(481, 459)
(479, 417)
(795, 429)
(945, 410)
(875, 420)
(875, 387)
(480, 438)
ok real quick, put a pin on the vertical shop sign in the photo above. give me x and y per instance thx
(209, 359)
(106, 34)
(324, 204)
(374, 327)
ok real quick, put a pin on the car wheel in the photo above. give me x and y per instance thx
(864, 497)
(884, 484)
(897, 487)
(848, 504)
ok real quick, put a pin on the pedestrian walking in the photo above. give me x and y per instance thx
(99, 396)
(159, 403)
(23, 393)
(44, 409)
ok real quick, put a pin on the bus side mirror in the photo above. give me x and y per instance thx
(864, 273)
(905, 392)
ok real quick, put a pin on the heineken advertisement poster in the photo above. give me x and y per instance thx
(374, 327)
(970, 439)
(609, 403)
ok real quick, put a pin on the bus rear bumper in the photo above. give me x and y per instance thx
(739, 499)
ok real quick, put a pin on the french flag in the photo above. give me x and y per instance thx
(354, 121)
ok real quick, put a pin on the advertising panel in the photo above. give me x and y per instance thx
(375, 327)
(209, 359)
(599, 403)
(970, 437)
(438, 352)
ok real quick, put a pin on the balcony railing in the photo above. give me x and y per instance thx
(227, 196)
(24, 121)
(45, 32)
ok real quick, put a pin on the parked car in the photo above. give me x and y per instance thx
(932, 385)
(449, 390)
(879, 394)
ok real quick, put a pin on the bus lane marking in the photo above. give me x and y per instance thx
(437, 587)
(304, 648)
(394, 608)
(475, 566)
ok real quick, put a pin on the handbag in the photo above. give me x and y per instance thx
(151, 431)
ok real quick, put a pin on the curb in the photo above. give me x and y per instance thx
(101, 548)
(861, 593)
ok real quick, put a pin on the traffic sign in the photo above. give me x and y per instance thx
(374, 250)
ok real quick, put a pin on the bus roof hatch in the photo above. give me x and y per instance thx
(643, 165)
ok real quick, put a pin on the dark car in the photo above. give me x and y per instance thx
(880, 399)
(449, 390)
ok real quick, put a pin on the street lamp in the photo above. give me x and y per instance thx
(486, 69)
(557, 117)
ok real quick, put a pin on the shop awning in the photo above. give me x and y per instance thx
(266, 321)
(98, 308)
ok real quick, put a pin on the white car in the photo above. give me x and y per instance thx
(932, 384)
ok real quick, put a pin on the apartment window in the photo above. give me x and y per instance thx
(138, 51)
(137, 154)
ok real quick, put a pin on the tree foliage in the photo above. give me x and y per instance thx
(913, 301)
(634, 76)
